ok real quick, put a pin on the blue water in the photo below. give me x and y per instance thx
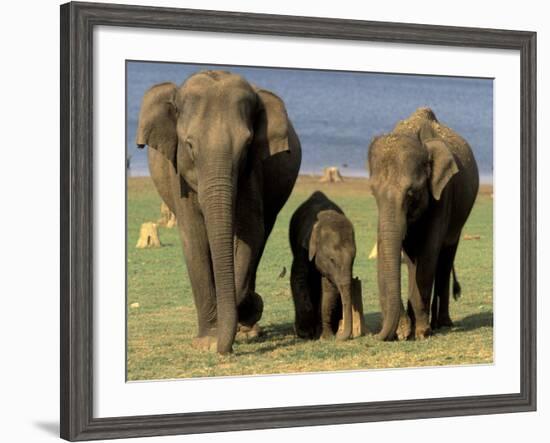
(337, 113)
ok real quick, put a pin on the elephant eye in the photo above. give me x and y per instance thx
(190, 149)
(413, 196)
(249, 138)
(172, 106)
(412, 193)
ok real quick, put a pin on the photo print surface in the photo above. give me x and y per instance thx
(285, 220)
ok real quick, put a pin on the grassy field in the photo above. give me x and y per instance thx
(160, 330)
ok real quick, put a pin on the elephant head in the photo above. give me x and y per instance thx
(332, 246)
(408, 173)
(212, 129)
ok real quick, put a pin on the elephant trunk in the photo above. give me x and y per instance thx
(391, 231)
(345, 294)
(217, 202)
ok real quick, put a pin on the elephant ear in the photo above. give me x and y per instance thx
(271, 125)
(443, 164)
(313, 241)
(157, 121)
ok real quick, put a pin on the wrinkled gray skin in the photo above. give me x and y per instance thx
(323, 246)
(425, 180)
(224, 157)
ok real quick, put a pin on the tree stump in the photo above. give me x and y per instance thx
(148, 236)
(331, 175)
(167, 217)
(374, 253)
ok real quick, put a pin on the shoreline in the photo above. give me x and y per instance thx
(486, 179)
(350, 183)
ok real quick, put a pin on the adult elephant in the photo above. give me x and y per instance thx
(425, 180)
(224, 157)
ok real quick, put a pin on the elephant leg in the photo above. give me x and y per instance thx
(250, 304)
(407, 320)
(421, 277)
(410, 310)
(249, 246)
(269, 222)
(440, 303)
(251, 307)
(256, 262)
(329, 304)
(306, 323)
(435, 308)
(197, 257)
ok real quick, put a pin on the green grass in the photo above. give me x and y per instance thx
(160, 330)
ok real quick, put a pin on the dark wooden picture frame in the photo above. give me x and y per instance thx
(77, 24)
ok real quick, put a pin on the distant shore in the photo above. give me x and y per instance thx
(349, 185)
(356, 182)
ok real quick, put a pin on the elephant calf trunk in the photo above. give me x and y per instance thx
(345, 332)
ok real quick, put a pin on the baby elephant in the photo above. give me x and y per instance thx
(323, 246)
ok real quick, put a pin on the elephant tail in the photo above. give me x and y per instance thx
(457, 290)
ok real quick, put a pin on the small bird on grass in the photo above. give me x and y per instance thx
(283, 272)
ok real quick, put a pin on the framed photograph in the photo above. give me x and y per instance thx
(273, 221)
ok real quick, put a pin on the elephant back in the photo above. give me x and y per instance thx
(458, 145)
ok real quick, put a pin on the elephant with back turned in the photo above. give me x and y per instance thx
(425, 180)
(224, 157)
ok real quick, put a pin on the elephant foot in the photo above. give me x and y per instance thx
(442, 322)
(205, 343)
(423, 332)
(404, 328)
(340, 336)
(248, 333)
(250, 310)
(327, 334)
(306, 333)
